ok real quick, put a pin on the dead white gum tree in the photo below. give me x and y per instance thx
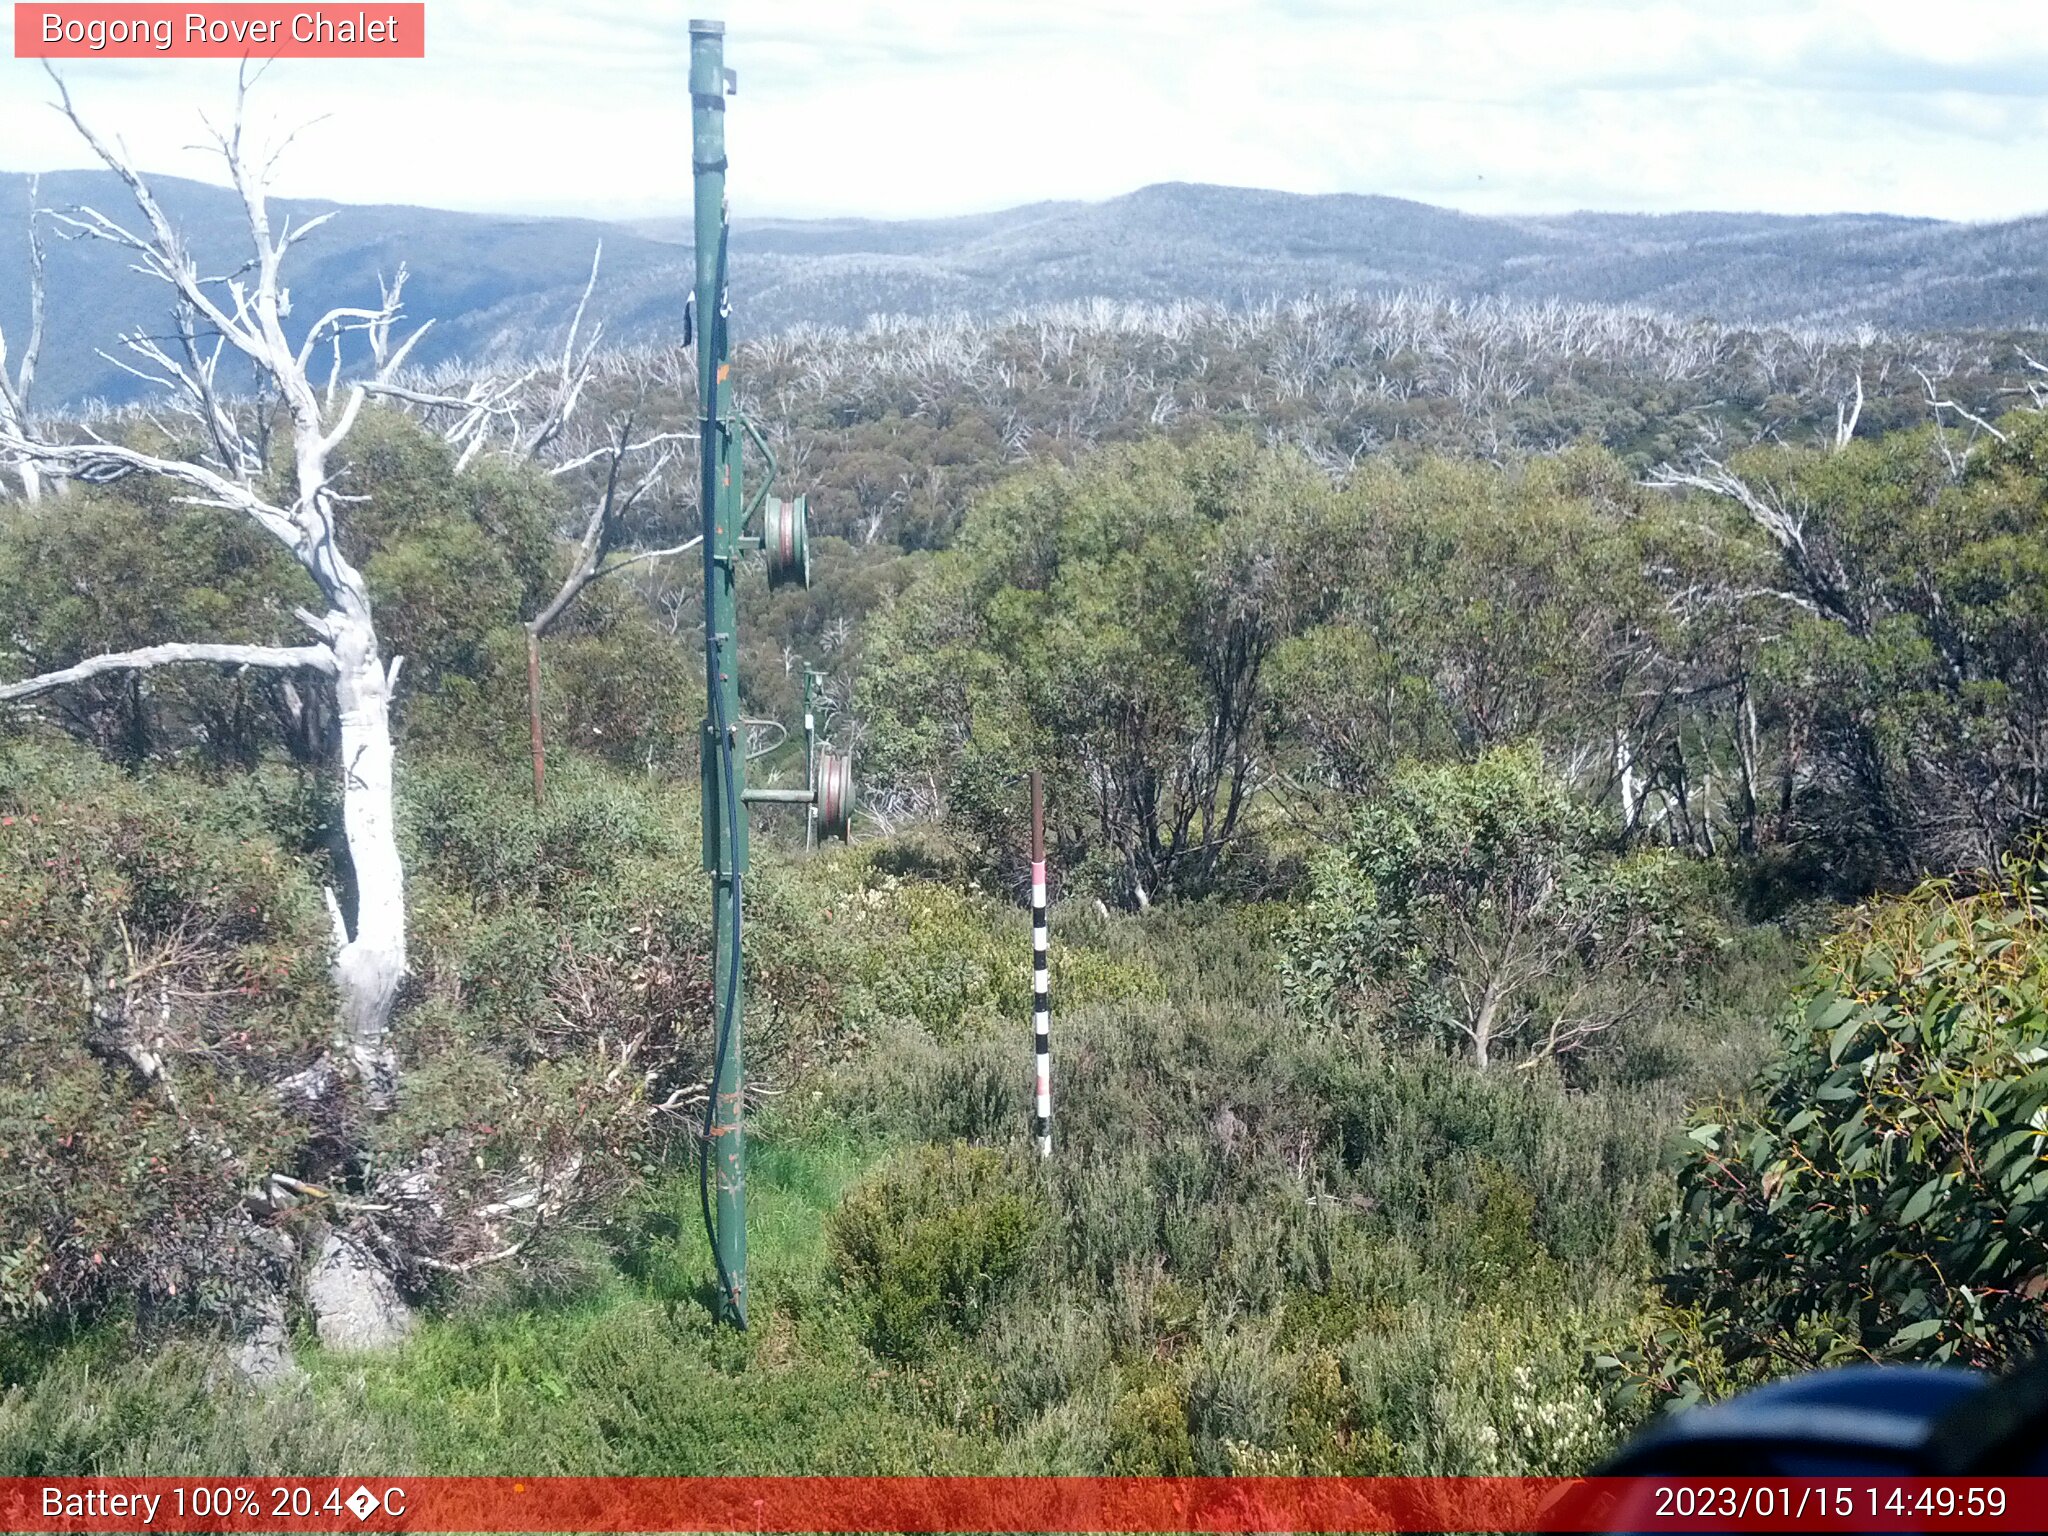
(16, 389)
(242, 315)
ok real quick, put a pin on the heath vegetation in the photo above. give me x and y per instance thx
(1546, 920)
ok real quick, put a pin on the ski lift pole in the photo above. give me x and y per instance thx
(1041, 981)
(723, 1168)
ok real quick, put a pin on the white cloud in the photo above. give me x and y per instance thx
(910, 107)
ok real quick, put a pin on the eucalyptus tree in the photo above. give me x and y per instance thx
(1482, 904)
(1114, 622)
(1909, 586)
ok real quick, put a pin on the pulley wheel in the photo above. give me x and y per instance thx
(785, 538)
(835, 795)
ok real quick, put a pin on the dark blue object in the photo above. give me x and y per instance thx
(1873, 1420)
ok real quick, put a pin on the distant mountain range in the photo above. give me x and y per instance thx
(501, 286)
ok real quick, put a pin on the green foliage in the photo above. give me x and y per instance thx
(94, 1411)
(161, 963)
(955, 961)
(448, 556)
(1100, 620)
(1886, 1198)
(563, 981)
(1316, 1257)
(620, 687)
(935, 954)
(457, 562)
(111, 569)
(1467, 608)
(929, 1242)
(1148, 1428)
(472, 829)
(1920, 663)
(1482, 901)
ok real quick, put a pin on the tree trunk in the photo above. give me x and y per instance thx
(370, 963)
(1746, 756)
(1625, 778)
(540, 750)
(1482, 1027)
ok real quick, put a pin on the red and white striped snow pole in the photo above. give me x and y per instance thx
(1041, 984)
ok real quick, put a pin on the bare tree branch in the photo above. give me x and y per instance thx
(648, 555)
(601, 528)
(1937, 403)
(100, 463)
(583, 460)
(574, 372)
(1785, 524)
(317, 658)
(15, 393)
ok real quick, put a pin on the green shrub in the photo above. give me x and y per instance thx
(474, 828)
(1495, 1245)
(178, 1412)
(563, 989)
(111, 568)
(1148, 1429)
(619, 686)
(1479, 904)
(1889, 1197)
(930, 1240)
(936, 955)
(159, 969)
(1238, 1392)
(953, 959)
(1044, 1354)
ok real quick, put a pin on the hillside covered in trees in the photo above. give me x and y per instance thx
(1547, 913)
(499, 287)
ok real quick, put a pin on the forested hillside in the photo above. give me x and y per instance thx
(498, 287)
(1242, 245)
(1541, 799)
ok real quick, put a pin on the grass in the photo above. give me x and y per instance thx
(616, 1371)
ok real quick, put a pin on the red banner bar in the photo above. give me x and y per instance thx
(1006, 1504)
(374, 31)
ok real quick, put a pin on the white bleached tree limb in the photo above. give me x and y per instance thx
(246, 311)
(316, 658)
(15, 391)
(1847, 414)
(1937, 403)
(1784, 514)
(1775, 516)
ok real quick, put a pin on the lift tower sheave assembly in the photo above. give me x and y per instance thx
(784, 540)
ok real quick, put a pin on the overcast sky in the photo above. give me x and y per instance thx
(912, 107)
